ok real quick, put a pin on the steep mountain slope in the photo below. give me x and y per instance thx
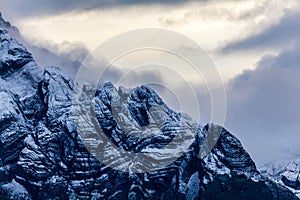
(49, 142)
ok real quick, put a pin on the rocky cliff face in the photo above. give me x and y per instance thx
(49, 142)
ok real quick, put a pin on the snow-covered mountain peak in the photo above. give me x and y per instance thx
(49, 142)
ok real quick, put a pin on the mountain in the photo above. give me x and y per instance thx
(61, 139)
(284, 172)
(42, 56)
(11, 29)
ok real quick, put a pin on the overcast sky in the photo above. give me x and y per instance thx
(254, 44)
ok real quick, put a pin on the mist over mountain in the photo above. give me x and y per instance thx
(43, 56)
(52, 136)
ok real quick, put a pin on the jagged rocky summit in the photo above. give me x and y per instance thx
(285, 172)
(44, 154)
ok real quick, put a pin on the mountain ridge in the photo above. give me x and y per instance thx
(43, 154)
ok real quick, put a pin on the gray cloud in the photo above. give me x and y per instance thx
(212, 13)
(37, 7)
(148, 76)
(67, 55)
(263, 106)
(74, 51)
(44, 57)
(281, 34)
